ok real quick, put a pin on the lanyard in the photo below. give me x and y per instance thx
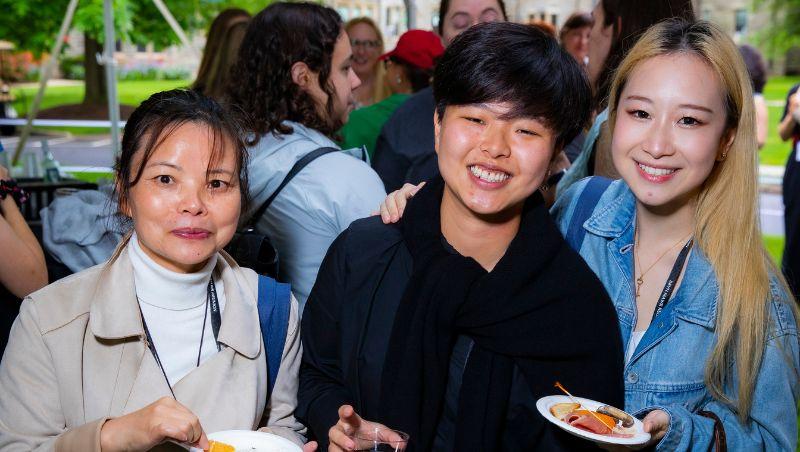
(216, 320)
(672, 280)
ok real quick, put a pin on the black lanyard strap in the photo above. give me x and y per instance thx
(672, 280)
(212, 303)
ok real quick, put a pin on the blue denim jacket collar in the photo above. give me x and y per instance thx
(699, 281)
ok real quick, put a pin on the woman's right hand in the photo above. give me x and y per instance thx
(163, 420)
(350, 423)
(395, 203)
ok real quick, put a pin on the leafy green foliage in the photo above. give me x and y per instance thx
(784, 29)
(33, 24)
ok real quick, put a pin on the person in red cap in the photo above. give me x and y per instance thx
(409, 67)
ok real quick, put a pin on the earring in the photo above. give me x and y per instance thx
(545, 186)
(724, 155)
(399, 80)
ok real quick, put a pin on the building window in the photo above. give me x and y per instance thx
(741, 20)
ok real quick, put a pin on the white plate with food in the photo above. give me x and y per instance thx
(249, 441)
(593, 421)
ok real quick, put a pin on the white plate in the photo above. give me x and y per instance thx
(544, 404)
(246, 440)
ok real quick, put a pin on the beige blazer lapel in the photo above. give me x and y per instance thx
(116, 360)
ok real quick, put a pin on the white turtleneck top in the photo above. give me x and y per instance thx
(173, 305)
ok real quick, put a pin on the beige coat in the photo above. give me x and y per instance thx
(76, 357)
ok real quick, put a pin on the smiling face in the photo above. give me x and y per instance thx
(670, 129)
(184, 210)
(342, 79)
(490, 163)
(462, 14)
(366, 46)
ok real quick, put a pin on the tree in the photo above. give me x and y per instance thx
(784, 31)
(33, 25)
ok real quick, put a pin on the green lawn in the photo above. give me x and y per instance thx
(774, 245)
(776, 151)
(129, 92)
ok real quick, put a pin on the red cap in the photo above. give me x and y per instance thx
(418, 48)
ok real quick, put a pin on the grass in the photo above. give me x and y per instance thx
(774, 246)
(129, 92)
(775, 151)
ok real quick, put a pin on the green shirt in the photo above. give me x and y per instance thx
(364, 125)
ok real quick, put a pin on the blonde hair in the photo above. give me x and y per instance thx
(379, 89)
(727, 207)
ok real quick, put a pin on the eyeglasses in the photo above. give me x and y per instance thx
(369, 44)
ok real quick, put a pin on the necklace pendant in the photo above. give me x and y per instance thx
(639, 282)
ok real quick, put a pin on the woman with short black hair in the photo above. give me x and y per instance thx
(451, 324)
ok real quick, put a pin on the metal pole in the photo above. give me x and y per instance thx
(111, 73)
(44, 77)
(176, 27)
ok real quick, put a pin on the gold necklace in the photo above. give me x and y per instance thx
(640, 279)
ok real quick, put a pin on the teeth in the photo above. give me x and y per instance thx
(655, 171)
(488, 176)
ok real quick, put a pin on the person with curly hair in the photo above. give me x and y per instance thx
(294, 78)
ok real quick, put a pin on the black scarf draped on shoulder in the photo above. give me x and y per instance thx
(540, 309)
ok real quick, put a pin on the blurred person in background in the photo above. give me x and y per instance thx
(548, 28)
(404, 149)
(617, 25)
(22, 264)
(758, 78)
(367, 43)
(574, 36)
(295, 80)
(789, 129)
(222, 46)
(408, 69)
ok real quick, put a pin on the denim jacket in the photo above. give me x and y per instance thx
(666, 371)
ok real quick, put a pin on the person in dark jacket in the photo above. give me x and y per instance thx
(452, 323)
(404, 148)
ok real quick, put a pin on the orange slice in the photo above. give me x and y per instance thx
(216, 446)
(609, 421)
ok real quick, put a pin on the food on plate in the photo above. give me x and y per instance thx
(218, 446)
(625, 418)
(605, 420)
(561, 410)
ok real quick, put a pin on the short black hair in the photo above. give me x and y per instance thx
(516, 64)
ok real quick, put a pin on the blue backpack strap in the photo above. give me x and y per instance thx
(587, 201)
(274, 304)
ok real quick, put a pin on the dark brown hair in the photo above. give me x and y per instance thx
(222, 45)
(574, 22)
(630, 19)
(261, 83)
(163, 113)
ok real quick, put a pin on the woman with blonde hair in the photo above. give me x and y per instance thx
(719, 358)
(708, 324)
(367, 43)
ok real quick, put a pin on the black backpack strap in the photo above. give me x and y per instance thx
(298, 166)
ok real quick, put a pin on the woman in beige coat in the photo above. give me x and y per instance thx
(162, 343)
